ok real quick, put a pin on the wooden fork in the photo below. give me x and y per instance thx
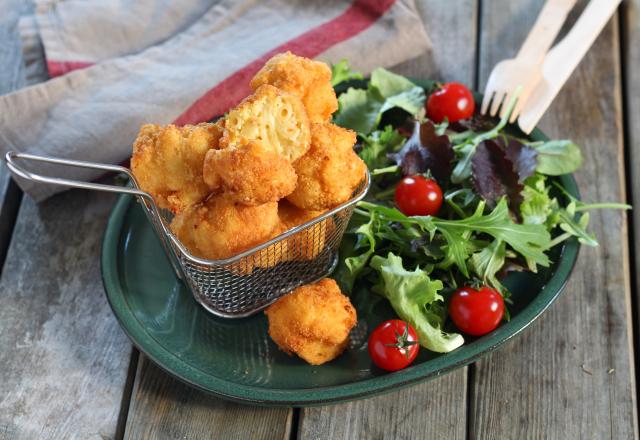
(525, 70)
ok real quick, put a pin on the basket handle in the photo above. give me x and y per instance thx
(11, 156)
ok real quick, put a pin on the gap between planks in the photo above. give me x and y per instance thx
(630, 69)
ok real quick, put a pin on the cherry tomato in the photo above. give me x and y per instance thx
(393, 345)
(416, 195)
(476, 311)
(453, 101)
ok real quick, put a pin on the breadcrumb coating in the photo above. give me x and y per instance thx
(309, 243)
(308, 79)
(167, 162)
(312, 322)
(220, 228)
(249, 173)
(330, 171)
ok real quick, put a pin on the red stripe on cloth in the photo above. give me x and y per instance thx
(356, 18)
(58, 68)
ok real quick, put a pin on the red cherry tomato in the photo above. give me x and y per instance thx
(416, 195)
(453, 101)
(393, 345)
(476, 312)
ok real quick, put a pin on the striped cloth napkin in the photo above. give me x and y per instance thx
(116, 65)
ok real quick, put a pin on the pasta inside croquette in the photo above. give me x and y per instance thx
(308, 79)
(249, 173)
(312, 322)
(330, 171)
(273, 117)
(167, 162)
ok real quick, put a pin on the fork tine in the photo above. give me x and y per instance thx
(486, 100)
(522, 100)
(495, 104)
(505, 102)
(516, 110)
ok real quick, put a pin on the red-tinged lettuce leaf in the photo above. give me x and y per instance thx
(426, 150)
(494, 176)
(523, 157)
(476, 122)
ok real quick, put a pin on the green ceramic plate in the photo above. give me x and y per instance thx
(235, 359)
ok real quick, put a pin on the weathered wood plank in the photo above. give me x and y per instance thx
(452, 28)
(571, 374)
(164, 408)
(436, 409)
(631, 65)
(63, 359)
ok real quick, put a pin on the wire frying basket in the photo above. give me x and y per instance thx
(246, 283)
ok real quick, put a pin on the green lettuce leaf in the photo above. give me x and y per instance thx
(361, 110)
(558, 157)
(341, 72)
(415, 298)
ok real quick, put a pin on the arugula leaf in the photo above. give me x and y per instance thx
(530, 241)
(576, 225)
(488, 262)
(414, 297)
(457, 250)
(376, 146)
(341, 72)
(361, 110)
(558, 157)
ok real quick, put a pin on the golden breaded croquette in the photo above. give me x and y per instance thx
(308, 79)
(306, 244)
(220, 228)
(249, 173)
(167, 162)
(273, 117)
(330, 171)
(313, 321)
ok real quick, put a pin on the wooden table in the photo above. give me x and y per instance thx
(68, 371)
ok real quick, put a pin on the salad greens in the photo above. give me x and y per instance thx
(361, 109)
(414, 297)
(501, 210)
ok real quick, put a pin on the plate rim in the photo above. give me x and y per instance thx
(255, 395)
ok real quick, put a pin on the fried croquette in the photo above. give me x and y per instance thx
(330, 171)
(249, 173)
(308, 79)
(273, 117)
(313, 321)
(220, 228)
(167, 162)
(306, 244)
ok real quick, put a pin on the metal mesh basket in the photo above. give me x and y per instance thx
(248, 282)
